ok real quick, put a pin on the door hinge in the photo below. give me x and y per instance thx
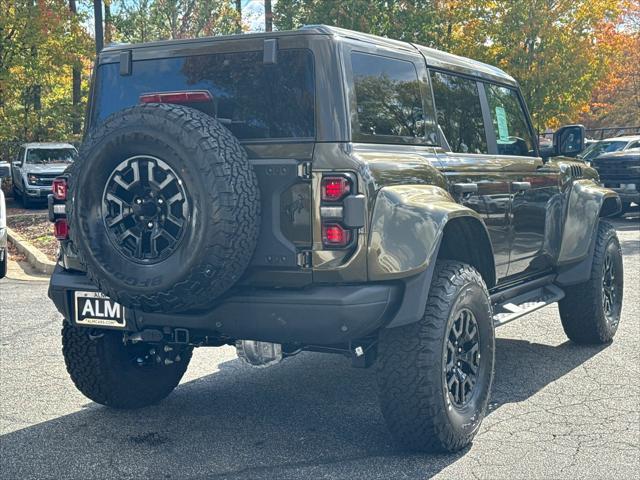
(304, 170)
(304, 259)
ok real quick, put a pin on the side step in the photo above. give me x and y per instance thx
(525, 303)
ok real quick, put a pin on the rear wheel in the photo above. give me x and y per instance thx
(590, 311)
(435, 375)
(119, 375)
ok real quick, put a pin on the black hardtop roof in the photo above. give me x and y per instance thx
(435, 58)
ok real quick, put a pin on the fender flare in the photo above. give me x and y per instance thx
(407, 228)
(588, 202)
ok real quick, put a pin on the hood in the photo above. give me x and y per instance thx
(51, 169)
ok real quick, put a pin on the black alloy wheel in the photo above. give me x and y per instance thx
(463, 358)
(611, 289)
(145, 209)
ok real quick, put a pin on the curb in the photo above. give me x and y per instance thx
(35, 257)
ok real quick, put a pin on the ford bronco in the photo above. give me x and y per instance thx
(322, 190)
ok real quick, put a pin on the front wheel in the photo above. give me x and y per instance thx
(435, 375)
(119, 375)
(590, 311)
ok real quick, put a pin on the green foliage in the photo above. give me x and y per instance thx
(148, 20)
(39, 44)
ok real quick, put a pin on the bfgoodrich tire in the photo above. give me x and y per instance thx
(106, 370)
(590, 312)
(435, 375)
(164, 208)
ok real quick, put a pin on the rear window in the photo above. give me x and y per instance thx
(254, 100)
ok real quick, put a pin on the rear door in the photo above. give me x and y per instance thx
(469, 161)
(534, 186)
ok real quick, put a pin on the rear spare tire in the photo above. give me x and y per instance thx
(163, 208)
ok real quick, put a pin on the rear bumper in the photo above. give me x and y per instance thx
(320, 315)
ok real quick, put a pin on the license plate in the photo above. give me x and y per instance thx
(628, 186)
(95, 308)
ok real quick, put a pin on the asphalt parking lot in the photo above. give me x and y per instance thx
(558, 410)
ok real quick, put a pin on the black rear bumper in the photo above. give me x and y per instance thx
(320, 315)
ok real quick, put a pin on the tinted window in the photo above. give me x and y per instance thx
(388, 100)
(509, 121)
(253, 99)
(459, 113)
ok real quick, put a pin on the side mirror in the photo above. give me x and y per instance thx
(569, 140)
(5, 171)
(16, 163)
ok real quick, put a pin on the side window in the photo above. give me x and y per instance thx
(509, 121)
(388, 100)
(633, 145)
(459, 112)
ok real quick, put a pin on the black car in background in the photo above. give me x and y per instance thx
(620, 171)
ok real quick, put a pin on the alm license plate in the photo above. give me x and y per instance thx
(95, 308)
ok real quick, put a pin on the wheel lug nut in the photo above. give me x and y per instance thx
(138, 201)
(150, 224)
(160, 201)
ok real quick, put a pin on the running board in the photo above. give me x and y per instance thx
(526, 303)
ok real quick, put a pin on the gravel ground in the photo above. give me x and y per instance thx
(558, 410)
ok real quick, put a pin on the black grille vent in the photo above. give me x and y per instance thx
(575, 171)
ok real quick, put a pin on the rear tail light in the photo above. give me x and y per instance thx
(59, 187)
(61, 229)
(192, 96)
(335, 189)
(334, 235)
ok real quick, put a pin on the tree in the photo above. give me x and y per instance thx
(40, 44)
(547, 45)
(616, 99)
(147, 20)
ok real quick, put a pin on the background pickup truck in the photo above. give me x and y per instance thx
(35, 167)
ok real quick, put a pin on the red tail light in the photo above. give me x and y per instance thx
(194, 96)
(61, 229)
(335, 188)
(333, 235)
(59, 186)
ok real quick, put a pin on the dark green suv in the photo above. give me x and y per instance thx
(322, 190)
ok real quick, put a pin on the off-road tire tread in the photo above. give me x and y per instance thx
(236, 192)
(581, 310)
(85, 359)
(410, 390)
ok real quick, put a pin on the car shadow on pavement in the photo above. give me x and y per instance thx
(311, 416)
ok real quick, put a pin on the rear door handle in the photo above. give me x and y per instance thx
(521, 186)
(465, 187)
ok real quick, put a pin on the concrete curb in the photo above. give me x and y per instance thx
(35, 257)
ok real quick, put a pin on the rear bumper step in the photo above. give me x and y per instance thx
(320, 315)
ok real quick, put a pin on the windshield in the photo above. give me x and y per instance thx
(44, 156)
(599, 148)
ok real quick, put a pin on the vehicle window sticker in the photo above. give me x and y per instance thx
(503, 128)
